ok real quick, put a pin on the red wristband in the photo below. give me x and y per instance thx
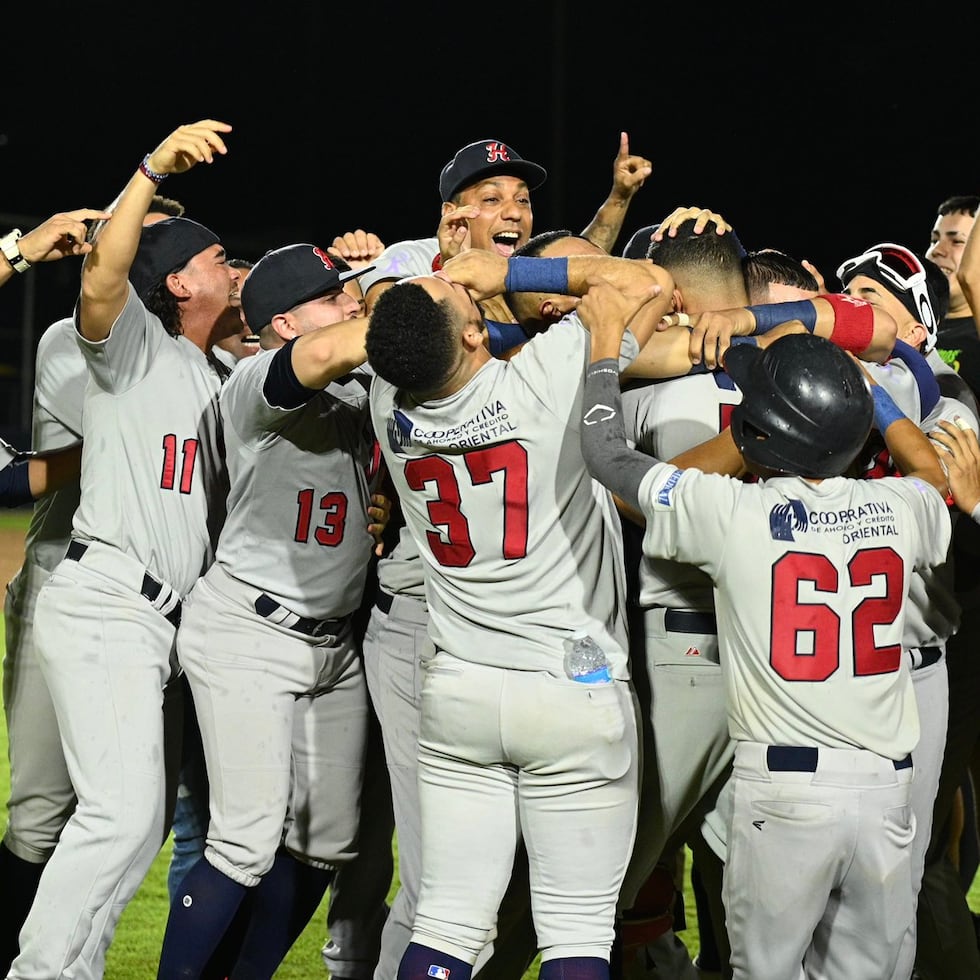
(854, 322)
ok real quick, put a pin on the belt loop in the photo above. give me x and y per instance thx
(76, 549)
(268, 608)
(384, 600)
(925, 656)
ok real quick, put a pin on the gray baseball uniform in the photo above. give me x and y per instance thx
(358, 910)
(932, 616)
(152, 479)
(41, 794)
(396, 645)
(814, 661)
(267, 639)
(686, 749)
(522, 557)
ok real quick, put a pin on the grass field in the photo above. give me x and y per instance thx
(135, 950)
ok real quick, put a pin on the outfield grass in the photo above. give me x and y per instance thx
(135, 950)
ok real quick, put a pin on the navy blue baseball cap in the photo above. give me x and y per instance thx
(636, 247)
(485, 158)
(165, 247)
(288, 276)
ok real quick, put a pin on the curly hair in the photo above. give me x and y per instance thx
(160, 301)
(412, 340)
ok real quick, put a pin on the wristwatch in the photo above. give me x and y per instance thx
(8, 245)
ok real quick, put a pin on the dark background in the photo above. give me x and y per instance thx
(813, 133)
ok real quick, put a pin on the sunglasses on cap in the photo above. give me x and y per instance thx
(899, 267)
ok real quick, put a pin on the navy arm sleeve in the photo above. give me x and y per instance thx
(282, 388)
(15, 485)
(928, 384)
(607, 455)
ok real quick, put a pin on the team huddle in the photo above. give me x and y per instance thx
(556, 563)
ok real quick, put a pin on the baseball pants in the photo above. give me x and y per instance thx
(107, 657)
(42, 797)
(283, 721)
(686, 746)
(396, 648)
(506, 752)
(806, 823)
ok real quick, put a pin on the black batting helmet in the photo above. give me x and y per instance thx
(806, 407)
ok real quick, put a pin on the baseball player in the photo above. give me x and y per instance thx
(896, 279)
(486, 192)
(527, 718)
(932, 613)
(105, 619)
(675, 652)
(492, 182)
(42, 797)
(810, 622)
(922, 291)
(486, 203)
(267, 637)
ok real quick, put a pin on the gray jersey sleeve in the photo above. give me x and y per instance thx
(400, 260)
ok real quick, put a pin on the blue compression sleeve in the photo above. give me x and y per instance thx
(504, 336)
(771, 315)
(886, 411)
(608, 457)
(536, 275)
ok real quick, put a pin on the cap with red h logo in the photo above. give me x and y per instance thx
(483, 159)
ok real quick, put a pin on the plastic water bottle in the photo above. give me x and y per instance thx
(585, 661)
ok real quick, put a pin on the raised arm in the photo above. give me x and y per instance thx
(909, 447)
(610, 460)
(485, 275)
(852, 324)
(324, 355)
(61, 235)
(105, 274)
(629, 174)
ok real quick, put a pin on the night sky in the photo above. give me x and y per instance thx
(817, 138)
